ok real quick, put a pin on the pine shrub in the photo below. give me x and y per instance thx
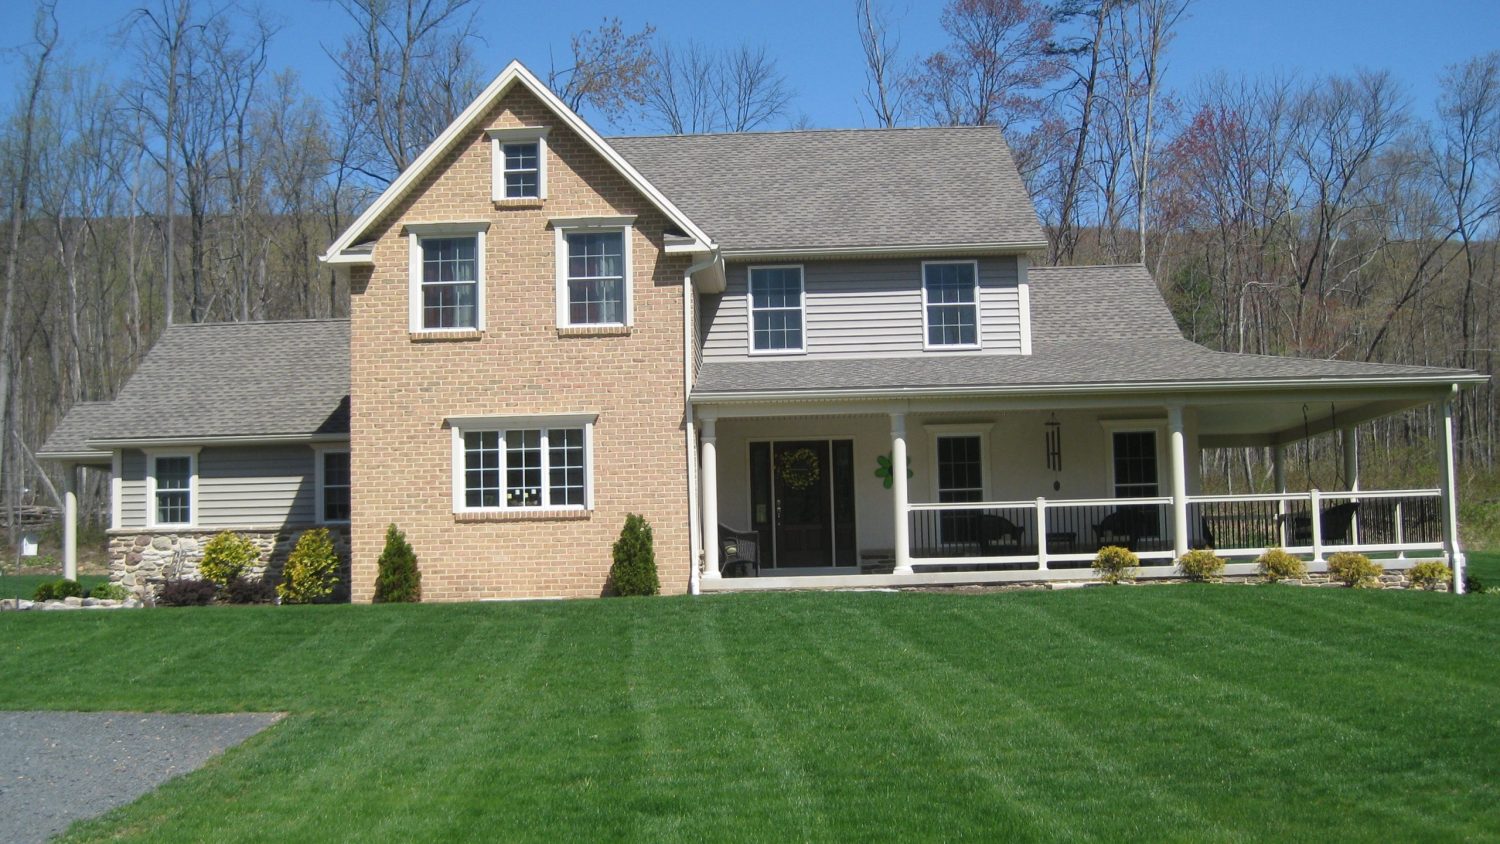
(226, 557)
(1277, 565)
(1354, 570)
(311, 569)
(1430, 575)
(1115, 564)
(398, 580)
(1201, 565)
(634, 569)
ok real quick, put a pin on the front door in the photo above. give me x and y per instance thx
(802, 500)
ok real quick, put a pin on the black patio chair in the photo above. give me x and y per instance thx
(739, 552)
(1127, 526)
(998, 533)
(1336, 523)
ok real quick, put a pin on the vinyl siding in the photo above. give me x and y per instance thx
(238, 487)
(865, 309)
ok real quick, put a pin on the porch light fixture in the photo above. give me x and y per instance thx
(1054, 450)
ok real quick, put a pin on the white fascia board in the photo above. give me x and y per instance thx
(927, 250)
(183, 442)
(513, 73)
(85, 457)
(697, 247)
(348, 258)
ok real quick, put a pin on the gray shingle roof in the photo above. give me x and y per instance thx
(1090, 326)
(843, 188)
(245, 379)
(82, 423)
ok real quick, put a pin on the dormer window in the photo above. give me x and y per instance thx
(950, 304)
(520, 163)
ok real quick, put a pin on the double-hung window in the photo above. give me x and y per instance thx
(172, 481)
(333, 485)
(520, 163)
(960, 480)
(522, 464)
(776, 309)
(447, 276)
(950, 304)
(1134, 457)
(593, 272)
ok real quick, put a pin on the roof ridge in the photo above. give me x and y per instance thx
(222, 323)
(833, 131)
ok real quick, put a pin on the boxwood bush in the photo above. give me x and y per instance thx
(1277, 565)
(1115, 564)
(56, 590)
(109, 592)
(1430, 575)
(311, 570)
(1201, 565)
(1354, 570)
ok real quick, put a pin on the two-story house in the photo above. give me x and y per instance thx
(807, 358)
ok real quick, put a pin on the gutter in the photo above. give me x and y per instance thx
(904, 249)
(264, 439)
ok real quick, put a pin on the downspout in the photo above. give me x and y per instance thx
(690, 428)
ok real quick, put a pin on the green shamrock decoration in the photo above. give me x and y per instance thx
(883, 469)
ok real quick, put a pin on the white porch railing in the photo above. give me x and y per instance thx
(1062, 534)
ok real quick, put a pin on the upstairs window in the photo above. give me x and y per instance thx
(950, 304)
(447, 276)
(523, 171)
(593, 275)
(776, 309)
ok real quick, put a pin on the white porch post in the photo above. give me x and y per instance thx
(70, 521)
(1278, 461)
(1350, 440)
(898, 493)
(710, 476)
(1179, 480)
(1451, 548)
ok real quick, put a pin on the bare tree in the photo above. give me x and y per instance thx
(887, 84)
(609, 70)
(995, 67)
(693, 89)
(1086, 49)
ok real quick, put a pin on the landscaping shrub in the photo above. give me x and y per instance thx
(1115, 564)
(1472, 586)
(1354, 570)
(634, 569)
(1429, 575)
(311, 570)
(1201, 565)
(398, 580)
(56, 590)
(226, 556)
(187, 593)
(1276, 565)
(243, 590)
(109, 592)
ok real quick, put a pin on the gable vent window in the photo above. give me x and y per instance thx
(519, 163)
(950, 304)
(776, 309)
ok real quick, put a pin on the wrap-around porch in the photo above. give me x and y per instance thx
(1017, 489)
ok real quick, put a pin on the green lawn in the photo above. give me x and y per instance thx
(24, 585)
(1186, 712)
(1485, 566)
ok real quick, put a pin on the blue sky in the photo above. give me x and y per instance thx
(816, 45)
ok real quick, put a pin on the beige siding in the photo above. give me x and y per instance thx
(865, 308)
(238, 487)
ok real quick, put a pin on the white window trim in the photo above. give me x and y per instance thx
(459, 425)
(152, 456)
(523, 135)
(978, 343)
(750, 308)
(416, 233)
(981, 430)
(563, 227)
(1131, 426)
(319, 451)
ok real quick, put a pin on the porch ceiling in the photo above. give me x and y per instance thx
(1279, 422)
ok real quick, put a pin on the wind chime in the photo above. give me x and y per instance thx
(1054, 450)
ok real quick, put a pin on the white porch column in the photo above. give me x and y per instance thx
(70, 521)
(1179, 479)
(899, 493)
(1278, 464)
(710, 476)
(1350, 440)
(1455, 554)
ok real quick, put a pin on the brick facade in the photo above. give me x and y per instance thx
(402, 390)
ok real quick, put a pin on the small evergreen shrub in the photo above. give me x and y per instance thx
(243, 590)
(634, 569)
(226, 556)
(56, 590)
(398, 580)
(1472, 586)
(311, 570)
(1277, 565)
(1354, 570)
(1201, 565)
(1429, 575)
(187, 593)
(109, 592)
(1115, 564)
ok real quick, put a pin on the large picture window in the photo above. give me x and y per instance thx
(522, 465)
(776, 309)
(950, 304)
(1135, 464)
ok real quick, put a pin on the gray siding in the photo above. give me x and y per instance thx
(865, 309)
(238, 487)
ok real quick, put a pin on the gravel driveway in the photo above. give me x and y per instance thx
(58, 767)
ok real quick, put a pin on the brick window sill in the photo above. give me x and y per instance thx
(445, 336)
(594, 331)
(523, 516)
(506, 204)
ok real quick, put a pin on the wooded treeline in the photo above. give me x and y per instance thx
(1307, 216)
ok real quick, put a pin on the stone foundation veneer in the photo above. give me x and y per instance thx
(142, 560)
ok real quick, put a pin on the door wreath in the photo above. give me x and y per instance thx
(799, 469)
